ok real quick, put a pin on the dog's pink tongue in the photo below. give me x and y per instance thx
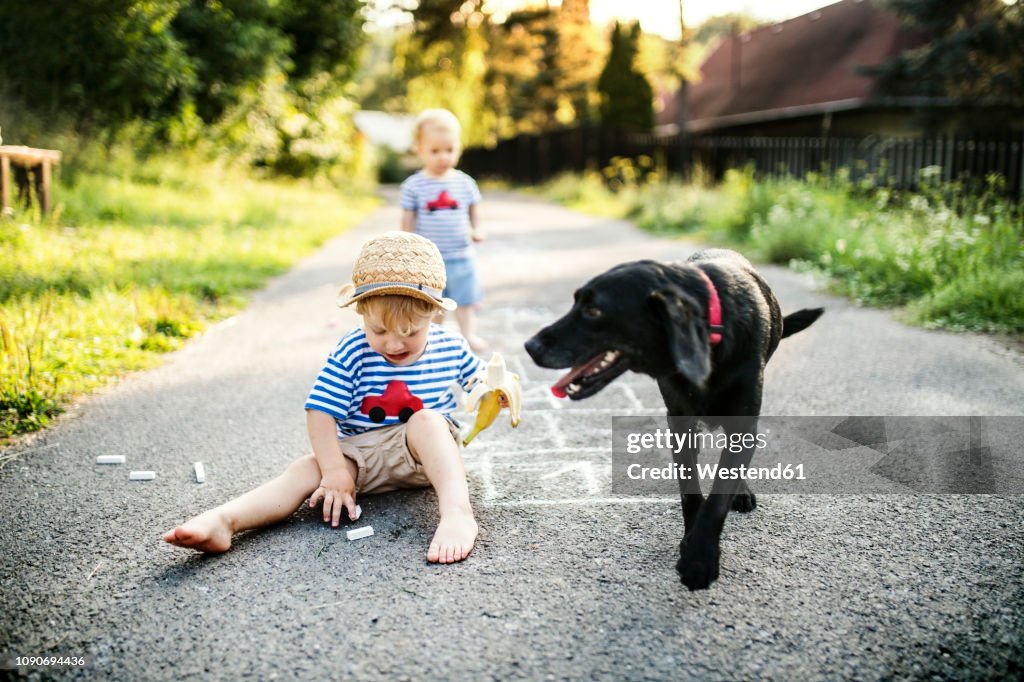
(559, 388)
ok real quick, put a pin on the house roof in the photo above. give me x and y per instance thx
(796, 67)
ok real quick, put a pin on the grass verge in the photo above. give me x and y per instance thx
(951, 258)
(131, 264)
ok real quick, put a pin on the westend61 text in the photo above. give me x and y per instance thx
(709, 472)
(700, 440)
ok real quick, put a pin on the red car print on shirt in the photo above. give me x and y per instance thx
(443, 200)
(396, 401)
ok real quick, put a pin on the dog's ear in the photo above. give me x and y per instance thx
(687, 340)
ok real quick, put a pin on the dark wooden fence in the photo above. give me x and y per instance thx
(892, 161)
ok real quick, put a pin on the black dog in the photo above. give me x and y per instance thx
(704, 329)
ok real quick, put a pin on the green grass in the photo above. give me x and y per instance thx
(954, 259)
(132, 264)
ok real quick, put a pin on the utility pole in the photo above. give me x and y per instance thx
(682, 115)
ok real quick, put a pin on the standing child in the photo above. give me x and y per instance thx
(379, 414)
(439, 202)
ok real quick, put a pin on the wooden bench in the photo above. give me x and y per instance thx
(32, 162)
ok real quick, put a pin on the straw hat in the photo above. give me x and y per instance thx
(398, 263)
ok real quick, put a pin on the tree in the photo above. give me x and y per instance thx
(230, 45)
(235, 44)
(542, 70)
(626, 94)
(95, 60)
(326, 36)
(379, 77)
(974, 52)
(521, 72)
(443, 61)
(577, 68)
(722, 26)
(112, 61)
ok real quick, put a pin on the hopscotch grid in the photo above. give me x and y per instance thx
(486, 471)
(583, 470)
(586, 469)
(557, 437)
(631, 396)
(545, 466)
(519, 367)
(596, 476)
(546, 451)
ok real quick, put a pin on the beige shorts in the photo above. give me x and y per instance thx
(384, 460)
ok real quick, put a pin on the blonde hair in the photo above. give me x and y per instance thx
(397, 313)
(437, 118)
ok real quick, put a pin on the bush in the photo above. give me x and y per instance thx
(989, 301)
(954, 257)
(136, 260)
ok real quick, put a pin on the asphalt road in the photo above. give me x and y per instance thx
(568, 581)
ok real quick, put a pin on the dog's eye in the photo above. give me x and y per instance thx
(592, 313)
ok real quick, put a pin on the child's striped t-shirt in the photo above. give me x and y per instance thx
(363, 391)
(442, 210)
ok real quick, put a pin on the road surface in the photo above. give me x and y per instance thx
(568, 580)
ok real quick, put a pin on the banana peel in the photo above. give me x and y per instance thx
(489, 388)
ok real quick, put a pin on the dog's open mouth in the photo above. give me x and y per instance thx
(590, 377)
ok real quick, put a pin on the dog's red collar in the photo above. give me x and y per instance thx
(714, 311)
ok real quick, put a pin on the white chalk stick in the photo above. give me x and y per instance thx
(200, 472)
(359, 512)
(110, 459)
(359, 533)
(142, 476)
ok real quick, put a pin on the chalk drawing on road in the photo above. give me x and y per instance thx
(561, 453)
(585, 468)
(631, 396)
(556, 435)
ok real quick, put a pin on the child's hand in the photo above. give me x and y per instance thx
(478, 235)
(338, 491)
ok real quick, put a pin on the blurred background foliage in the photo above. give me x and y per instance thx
(975, 51)
(527, 71)
(274, 84)
(260, 81)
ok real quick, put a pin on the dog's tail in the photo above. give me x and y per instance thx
(800, 320)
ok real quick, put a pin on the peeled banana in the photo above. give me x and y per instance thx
(489, 387)
(490, 406)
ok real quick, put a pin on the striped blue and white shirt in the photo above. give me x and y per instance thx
(355, 379)
(442, 209)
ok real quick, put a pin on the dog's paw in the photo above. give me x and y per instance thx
(697, 566)
(744, 501)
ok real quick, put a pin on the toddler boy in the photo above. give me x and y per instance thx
(379, 413)
(440, 202)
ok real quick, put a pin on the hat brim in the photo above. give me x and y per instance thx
(347, 296)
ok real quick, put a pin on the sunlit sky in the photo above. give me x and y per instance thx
(662, 16)
(655, 16)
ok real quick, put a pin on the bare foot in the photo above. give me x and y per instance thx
(208, 532)
(453, 539)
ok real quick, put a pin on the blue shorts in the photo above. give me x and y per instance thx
(463, 285)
